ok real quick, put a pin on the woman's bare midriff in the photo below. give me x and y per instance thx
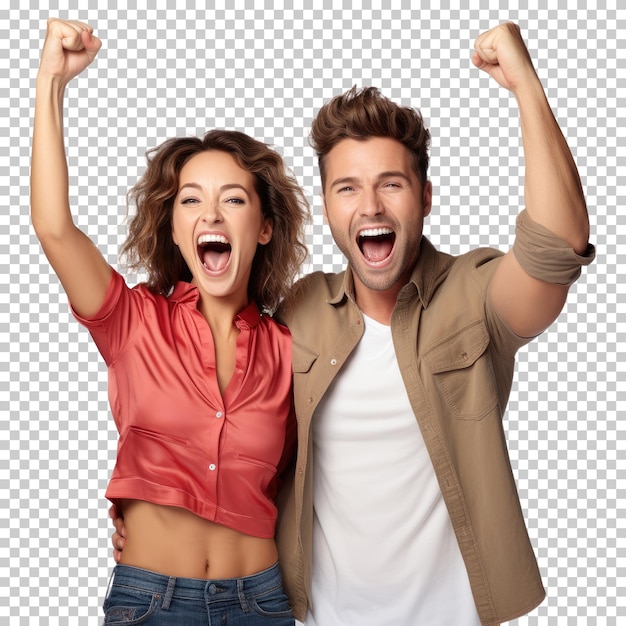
(176, 542)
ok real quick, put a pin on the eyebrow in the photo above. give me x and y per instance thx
(351, 180)
(223, 188)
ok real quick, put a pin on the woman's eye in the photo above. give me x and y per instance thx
(234, 201)
(188, 201)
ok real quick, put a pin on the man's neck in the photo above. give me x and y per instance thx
(378, 305)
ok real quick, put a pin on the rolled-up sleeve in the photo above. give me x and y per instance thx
(546, 256)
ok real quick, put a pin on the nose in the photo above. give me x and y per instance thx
(212, 213)
(371, 203)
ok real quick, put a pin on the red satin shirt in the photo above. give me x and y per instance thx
(182, 443)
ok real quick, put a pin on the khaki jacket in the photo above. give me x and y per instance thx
(457, 361)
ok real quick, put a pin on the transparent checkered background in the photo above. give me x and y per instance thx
(165, 72)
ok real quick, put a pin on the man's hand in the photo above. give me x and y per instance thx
(502, 53)
(118, 538)
(69, 48)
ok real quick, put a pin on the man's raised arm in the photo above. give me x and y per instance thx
(531, 284)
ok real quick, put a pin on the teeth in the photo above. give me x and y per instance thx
(375, 232)
(211, 239)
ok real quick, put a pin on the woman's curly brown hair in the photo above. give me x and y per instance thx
(364, 113)
(150, 245)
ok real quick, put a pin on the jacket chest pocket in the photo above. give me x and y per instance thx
(302, 360)
(463, 372)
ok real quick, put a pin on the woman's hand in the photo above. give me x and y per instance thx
(118, 539)
(68, 49)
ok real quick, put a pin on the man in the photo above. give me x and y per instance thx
(403, 508)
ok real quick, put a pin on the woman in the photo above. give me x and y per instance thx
(199, 377)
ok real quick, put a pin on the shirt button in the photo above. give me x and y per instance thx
(219, 414)
(212, 467)
(333, 361)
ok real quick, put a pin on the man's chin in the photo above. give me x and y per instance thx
(377, 278)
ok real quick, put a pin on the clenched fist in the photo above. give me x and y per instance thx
(68, 49)
(502, 53)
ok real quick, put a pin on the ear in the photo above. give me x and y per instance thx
(324, 213)
(427, 198)
(266, 232)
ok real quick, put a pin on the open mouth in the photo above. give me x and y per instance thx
(214, 252)
(376, 244)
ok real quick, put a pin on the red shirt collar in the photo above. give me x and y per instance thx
(188, 294)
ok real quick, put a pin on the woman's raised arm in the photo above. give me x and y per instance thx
(68, 49)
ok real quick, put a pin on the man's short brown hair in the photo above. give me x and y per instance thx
(364, 113)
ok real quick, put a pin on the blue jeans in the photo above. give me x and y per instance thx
(139, 596)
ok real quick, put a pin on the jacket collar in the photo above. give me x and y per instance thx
(428, 272)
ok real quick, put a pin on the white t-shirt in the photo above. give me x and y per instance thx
(384, 551)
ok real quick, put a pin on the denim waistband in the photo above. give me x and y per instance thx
(196, 588)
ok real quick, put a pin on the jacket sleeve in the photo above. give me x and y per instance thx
(545, 256)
